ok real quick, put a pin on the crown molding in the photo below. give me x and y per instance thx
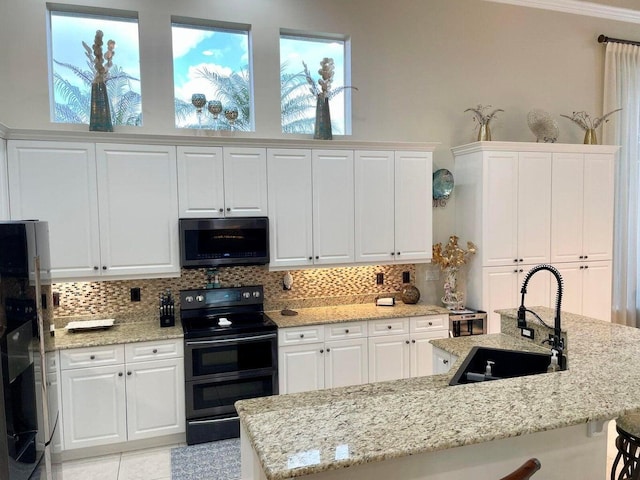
(578, 7)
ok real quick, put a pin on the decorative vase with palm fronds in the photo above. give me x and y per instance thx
(589, 125)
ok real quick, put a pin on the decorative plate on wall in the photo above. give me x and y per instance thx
(442, 186)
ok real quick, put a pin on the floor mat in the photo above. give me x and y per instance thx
(207, 461)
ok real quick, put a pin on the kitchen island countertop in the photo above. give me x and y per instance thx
(397, 419)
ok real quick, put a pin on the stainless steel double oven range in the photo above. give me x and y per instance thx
(231, 353)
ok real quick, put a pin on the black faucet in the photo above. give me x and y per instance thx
(555, 341)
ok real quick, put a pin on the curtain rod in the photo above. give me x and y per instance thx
(605, 39)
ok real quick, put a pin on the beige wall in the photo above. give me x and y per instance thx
(417, 63)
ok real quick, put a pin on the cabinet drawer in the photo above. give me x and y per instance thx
(91, 357)
(301, 335)
(143, 351)
(429, 322)
(340, 331)
(388, 326)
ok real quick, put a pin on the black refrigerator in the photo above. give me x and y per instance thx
(28, 418)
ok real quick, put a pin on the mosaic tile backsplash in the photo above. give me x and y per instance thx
(311, 287)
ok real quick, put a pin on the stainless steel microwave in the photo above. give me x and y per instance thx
(211, 242)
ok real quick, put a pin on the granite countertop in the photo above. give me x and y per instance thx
(126, 329)
(394, 419)
(352, 313)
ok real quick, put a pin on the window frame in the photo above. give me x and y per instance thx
(226, 27)
(326, 37)
(84, 12)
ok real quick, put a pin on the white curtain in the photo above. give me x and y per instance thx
(622, 89)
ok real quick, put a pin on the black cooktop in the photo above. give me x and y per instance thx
(231, 311)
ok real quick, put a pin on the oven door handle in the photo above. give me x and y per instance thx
(230, 340)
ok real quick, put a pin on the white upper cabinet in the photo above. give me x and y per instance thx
(218, 182)
(56, 182)
(290, 207)
(582, 209)
(112, 209)
(200, 182)
(374, 206)
(333, 206)
(138, 197)
(413, 206)
(534, 202)
(515, 208)
(393, 206)
(245, 182)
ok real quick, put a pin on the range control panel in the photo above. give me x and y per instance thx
(221, 297)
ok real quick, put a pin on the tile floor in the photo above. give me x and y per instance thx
(155, 464)
(150, 464)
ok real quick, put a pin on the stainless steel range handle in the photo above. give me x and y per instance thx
(204, 422)
(230, 340)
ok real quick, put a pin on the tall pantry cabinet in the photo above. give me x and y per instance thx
(524, 204)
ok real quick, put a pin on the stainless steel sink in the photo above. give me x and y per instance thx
(504, 364)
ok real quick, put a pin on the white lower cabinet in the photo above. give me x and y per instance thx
(322, 356)
(442, 361)
(401, 348)
(352, 353)
(134, 391)
(587, 288)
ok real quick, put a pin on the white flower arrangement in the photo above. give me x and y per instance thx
(586, 122)
(97, 59)
(481, 116)
(326, 72)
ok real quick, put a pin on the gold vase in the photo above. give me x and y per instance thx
(484, 132)
(590, 137)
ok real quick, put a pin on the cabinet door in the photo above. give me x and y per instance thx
(245, 182)
(155, 398)
(290, 207)
(572, 280)
(596, 290)
(56, 182)
(534, 205)
(374, 206)
(389, 358)
(422, 352)
(567, 186)
(94, 406)
(138, 195)
(500, 209)
(200, 182)
(333, 211)
(597, 240)
(346, 363)
(413, 206)
(441, 361)
(501, 290)
(301, 368)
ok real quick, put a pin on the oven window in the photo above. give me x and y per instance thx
(232, 357)
(219, 394)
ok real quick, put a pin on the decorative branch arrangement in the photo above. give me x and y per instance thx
(326, 72)
(481, 116)
(452, 255)
(97, 59)
(584, 120)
